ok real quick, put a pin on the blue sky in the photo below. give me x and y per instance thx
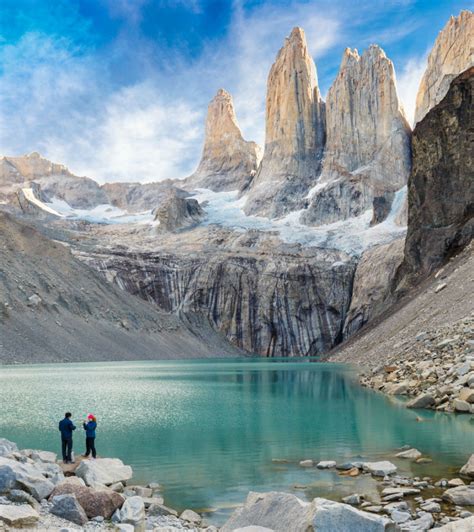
(118, 89)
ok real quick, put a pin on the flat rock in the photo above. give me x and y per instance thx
(462, 495)
(105, 471)
(380, 469)
(160, 509)
(461, 525)
(402, 490)
(306, 463)
(326, 464)
(411, 454)
(18, 516)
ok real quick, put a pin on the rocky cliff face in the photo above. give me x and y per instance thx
(228, 161)
(441, 185)
(263, 298)
(367, 153)
(294, 132)
(452, 53)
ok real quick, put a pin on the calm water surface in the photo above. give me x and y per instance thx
(209, 430)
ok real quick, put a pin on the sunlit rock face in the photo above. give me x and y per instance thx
(367, 153)
(294, 132)
(452, 53)
(228, 161)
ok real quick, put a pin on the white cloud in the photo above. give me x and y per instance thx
(408, 82)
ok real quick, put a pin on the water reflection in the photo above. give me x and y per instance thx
(209, 430)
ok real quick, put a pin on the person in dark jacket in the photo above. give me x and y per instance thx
(66, 426)
(90, 426)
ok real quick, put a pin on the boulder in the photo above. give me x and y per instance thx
(461, 406)
(466, 394)
(105, 471)
(410, 454)
(95, 503)
(461, 525)
(18, 516)
(20, 496)
(160, 509)
(424, 400)
(68, 507)
(44, 456)
(306, 463)
(191, 517)
(23, 476)
(354, 499)
(282, 512)
(380, 469)
(7, 447)
(462, 495)
(467, 469)
(424, 522)
(133, 513)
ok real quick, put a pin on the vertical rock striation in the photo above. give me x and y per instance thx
(294, 132)
(441, 185)
(452, 53)
(367, 152)
(228, 161)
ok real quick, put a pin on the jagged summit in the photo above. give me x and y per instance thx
(294, 132)
(452, 54)
(228, 161)
(367, 152)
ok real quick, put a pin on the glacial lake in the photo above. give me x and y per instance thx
(210, 431)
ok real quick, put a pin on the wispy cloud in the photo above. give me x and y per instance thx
(408, 82)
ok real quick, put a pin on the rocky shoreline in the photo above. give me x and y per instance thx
(39, 493)
(436, 371)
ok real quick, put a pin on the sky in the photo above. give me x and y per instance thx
(118, 89)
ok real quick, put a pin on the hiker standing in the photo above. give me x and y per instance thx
(66, 426)
(89, 426)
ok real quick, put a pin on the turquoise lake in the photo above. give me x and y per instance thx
(210, 431)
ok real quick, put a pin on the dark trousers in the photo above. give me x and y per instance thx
(66, 449)
(90, 447)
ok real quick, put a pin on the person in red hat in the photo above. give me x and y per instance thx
(90, 427)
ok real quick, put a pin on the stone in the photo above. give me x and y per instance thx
(454, 482)
(466, 394)
(306, 463)
(133, 513)
(461, 495)
(282, 512)
(410, 454)
(23, 476)
(367, 155)
(450, 55)
(149, 501)
(438, 288)
(142, 491)
(461, 406)
(423, 400)
(294, 133)
(95, 503)
(424, 522)
(122, 527)
(432, 507)
(20, 496)
(402, 490)
(354, 499)
(105, 471)
(44, 456)
(68, 507)
(254, 529)
(228, 162)
(160, 509)
(326, 464)
(18, 516)
(117, 486)
(7, 447)
(191, 517)
(467, 469)
(440, 189)
(460, 525)
(380, 469)
(400, 517)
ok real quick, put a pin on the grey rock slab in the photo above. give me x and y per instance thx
(326, 464)
(68, 507)
(424, 522)
(133, 512)
(380, 469)
(191, 517)
(105, 471)
(7, 447)
(462, 495)
(461, 525)
(23, 475)
(409, 454)
(18, 516)
(423, 400)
